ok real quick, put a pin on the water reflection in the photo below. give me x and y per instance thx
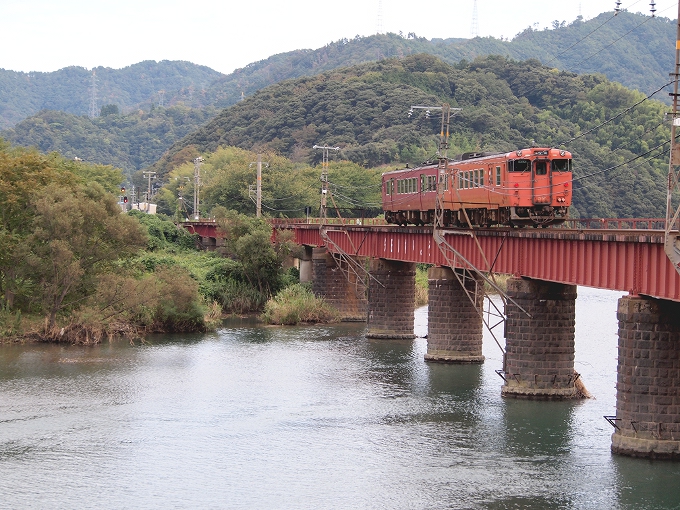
(535, 428)
(646, 484)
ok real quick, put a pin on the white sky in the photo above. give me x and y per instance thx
(46, 35)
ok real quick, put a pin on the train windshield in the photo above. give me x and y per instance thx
(561, 165)
(519, 165)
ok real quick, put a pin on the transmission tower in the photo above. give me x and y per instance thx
(161, 98)
(474, 32)
(380, 17)
(93, 95)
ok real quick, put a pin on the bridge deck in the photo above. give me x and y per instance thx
(627, 260)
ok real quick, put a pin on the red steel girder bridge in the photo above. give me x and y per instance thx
(632, 260)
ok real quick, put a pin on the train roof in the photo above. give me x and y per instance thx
(467, 156)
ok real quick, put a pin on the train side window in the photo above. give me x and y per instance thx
(481, 177)
(541, 168)
(498, 176)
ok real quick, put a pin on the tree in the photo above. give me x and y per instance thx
(109, 109)
(78, 232)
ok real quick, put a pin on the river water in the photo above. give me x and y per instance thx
(310, 417)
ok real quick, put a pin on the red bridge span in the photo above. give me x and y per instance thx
(633, 261)
(540, 313)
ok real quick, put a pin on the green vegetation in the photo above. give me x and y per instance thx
(421, 284)
(71, 267)
(504, 105)
(297, 304)
(132, 141)
(287, 187)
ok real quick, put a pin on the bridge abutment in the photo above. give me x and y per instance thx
(648, 375)
(391, 299)
(338, 286)
(306, 271)
(454, 323)
(539, 359)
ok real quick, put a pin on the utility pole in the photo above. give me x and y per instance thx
(672, 241)
(148, 175)
(197, 184)
(258, 193)
(258, 186)
(442, 154)
(324, 179)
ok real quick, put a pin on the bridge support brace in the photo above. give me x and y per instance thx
(392, 301)
(647, 390)
(454, 324)
(330, 282)
(539, 358)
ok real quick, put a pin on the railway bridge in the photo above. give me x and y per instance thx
(546, 266)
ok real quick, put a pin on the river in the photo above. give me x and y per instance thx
(311, 417)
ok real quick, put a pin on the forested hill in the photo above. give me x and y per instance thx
(129, 142)
(70, 89)
(505, 105)
(632, 49)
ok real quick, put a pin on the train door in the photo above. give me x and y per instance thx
(541, 189)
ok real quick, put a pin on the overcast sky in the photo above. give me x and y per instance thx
(46, 35)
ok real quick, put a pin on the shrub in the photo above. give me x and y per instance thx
(297, 304)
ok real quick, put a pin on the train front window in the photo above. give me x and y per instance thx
(561, 165)
(541, 168)
(519, 165)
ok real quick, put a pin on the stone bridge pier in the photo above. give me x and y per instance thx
(332, 280)
(648, 379)
(539, 358)
(391, 299)
(454, 323)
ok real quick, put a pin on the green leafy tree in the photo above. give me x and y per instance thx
(78, 233)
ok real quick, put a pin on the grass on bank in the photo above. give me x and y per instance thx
(296, 304)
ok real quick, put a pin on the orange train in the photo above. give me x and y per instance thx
(524, 187)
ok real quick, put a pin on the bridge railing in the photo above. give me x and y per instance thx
(572, 223)
(614, 223)
(329, 221)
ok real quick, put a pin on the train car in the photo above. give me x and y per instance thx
(520, 188)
